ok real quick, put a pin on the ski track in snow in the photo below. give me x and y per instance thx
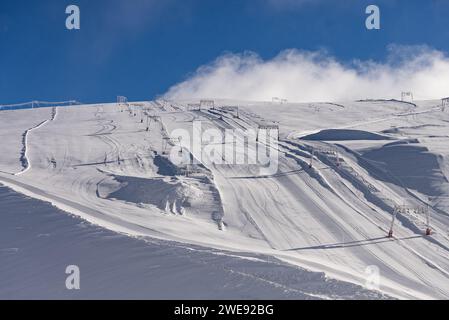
(24, 159)
(325, 218)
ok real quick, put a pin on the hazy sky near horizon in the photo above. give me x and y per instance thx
(145, 48)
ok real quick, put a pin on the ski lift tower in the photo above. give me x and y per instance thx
(312, 155)
(151, 118)
(444, 103)
(407, 96)
(121, 101)
(279, 100)
(169, 141)
(194, 107)
(207, 104)
(404, 209)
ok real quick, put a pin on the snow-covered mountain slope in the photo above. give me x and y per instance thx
(100, 162)
(38, 241)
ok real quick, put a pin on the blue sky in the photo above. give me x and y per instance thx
(140, 48)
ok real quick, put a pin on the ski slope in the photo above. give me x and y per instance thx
(100, 163)
(35, 237)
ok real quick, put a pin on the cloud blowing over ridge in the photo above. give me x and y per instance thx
(305, 76)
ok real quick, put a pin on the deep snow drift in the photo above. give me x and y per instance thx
(101, 163)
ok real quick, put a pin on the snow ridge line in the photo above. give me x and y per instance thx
(26, 164)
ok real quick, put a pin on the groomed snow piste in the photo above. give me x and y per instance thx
(101, 163)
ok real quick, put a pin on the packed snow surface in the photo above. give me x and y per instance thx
(101, 163)
(39, 241)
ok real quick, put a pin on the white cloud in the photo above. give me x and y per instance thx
(304, 76)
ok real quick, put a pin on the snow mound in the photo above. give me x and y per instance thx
(422, 172)
(346, 134)
(171, 195)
